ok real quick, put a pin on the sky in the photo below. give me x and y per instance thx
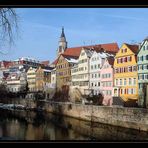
(40, 29)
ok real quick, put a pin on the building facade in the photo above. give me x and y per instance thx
(142, 69)
(96, 61)
(107, 80)
(53, 78)
(31, 79)
(63, 70)
(16, 82)
(81, 73)
(43, 78)
(125, 73)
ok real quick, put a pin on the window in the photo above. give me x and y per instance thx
(130, 69)
(141, 58)
(146, 57)
(119, 60)
(116, 82)
(134, 81)
(91, 84)
(129, 91)
(116, 70)
(140, 67)
(145, 76)
(129, 58)
(134, 68)
(124, 82)
(142, 77)
(120, 82)
(91, 66)
(95, 75)
(98, 65)
(144, 67)
(95, 66)
(83, 53)
(132, 91)
(98, 83)
(143, 47)
(130, 81)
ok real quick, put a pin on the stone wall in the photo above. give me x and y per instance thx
(134, 118)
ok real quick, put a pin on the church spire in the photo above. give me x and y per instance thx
(62, 34)
(62, 43)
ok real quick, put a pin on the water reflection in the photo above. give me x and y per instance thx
(26, 125)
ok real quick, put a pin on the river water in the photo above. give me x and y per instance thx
(27, 125)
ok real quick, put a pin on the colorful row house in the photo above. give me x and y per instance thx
(96, 62)
(107, 80)
(80, 72)
(126, 74)
(63, 70)
(43, 79)
(143, 72)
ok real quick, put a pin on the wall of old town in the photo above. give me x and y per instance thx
(134, 118)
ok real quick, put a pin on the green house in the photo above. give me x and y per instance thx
(142, 69)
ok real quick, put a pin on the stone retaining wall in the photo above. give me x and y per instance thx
(134, 118)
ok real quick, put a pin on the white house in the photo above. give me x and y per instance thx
(96, 61)
(80, 72)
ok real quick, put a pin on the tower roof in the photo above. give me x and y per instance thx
(62, 34)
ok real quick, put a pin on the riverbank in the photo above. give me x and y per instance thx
(133, 118)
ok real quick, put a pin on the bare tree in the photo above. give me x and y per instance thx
(8, 25)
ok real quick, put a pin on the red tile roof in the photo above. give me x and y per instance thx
(110, 60)
(46, 63)
(70, 56)
(55, 62)
(75, 51)
(7, 64)
(110, 47)
(133, 48)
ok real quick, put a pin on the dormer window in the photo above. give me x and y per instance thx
(124, 50)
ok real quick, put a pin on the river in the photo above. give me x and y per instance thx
(27, 125)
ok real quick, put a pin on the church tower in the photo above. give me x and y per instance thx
(62, 43)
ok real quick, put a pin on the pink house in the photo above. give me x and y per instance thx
(107, 80)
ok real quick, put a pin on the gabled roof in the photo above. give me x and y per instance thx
(88, 52)
(55, 62)
(110, 47)
(146, 39)
(133, 48)
(110, 60)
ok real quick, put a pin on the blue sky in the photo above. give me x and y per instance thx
(40, 29)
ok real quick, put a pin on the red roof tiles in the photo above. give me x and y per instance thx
(75, 51)
(110, 60)
(110, 47)
(46, 63)
(133, 48)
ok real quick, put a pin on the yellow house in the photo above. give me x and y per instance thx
(125, 73)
